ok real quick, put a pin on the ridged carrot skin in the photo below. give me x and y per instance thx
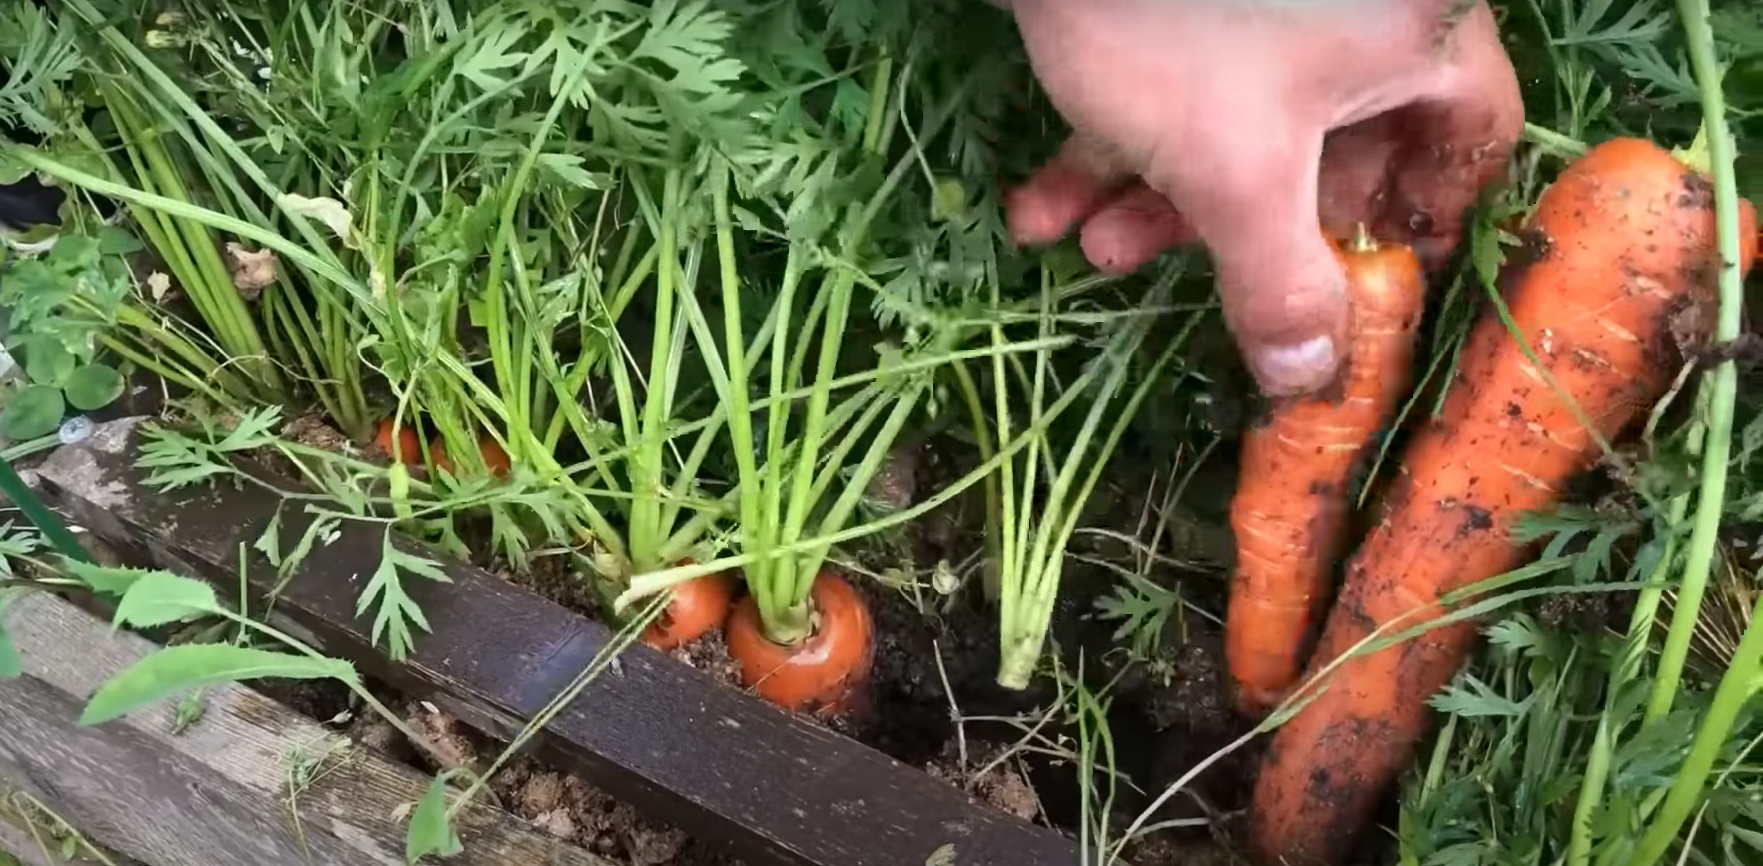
(1297, 473)
(1628, 251)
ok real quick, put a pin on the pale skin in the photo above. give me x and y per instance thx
(1252, 126)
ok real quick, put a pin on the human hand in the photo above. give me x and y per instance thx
(1254, 126)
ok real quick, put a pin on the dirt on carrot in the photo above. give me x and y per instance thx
(1297, 478)
(1631, 244)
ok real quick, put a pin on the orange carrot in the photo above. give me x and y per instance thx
(826, 673)
(1298, 469)
(698, 607)
(1629, 253)
(408, 445)
(495, 458)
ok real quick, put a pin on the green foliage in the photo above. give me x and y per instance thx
(175, 669)
(11, 665)
(57, 305)
(1143, 609)
(14, 544)
(92, 387)
(430, 831)
(396, 611)
(157, 598)
(153, 598)
(34, 411)
(39, 57)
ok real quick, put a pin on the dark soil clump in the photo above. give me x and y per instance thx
(1591, 613)
(554, 579)
(1187, 704)
(710, 655)
(324, 701)
(1001, 785)
(572, 810)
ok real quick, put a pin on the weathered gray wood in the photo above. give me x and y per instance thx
(32, 842)
(736, 772)
(17, 842)
(219, 791)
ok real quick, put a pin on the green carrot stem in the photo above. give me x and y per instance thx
(1740, 680)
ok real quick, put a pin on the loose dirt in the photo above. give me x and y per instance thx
(573, 810)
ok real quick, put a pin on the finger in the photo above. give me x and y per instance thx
(1356, 175)
(1455, 141)
(1133, 229)
(1253, 203)
(1069, 188)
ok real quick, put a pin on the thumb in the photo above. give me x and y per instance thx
(1279, 279)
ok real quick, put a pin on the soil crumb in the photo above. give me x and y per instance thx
(451, 743)
(1188, 708)
(710, 655)
(553, 578)
(311, 429)
(1591, 613)
(374, 732)
(574, 811)
(1001, 785)
(1166, 849)
(323, 701)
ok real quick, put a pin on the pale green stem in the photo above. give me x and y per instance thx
(1741, 678)
(1711, 495)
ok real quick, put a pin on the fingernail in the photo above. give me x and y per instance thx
(1296, 368)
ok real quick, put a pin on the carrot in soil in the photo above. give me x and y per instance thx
(827, 672)
(495, 458)
(1630, 253)
(409, 445)
(698, 607)
(1298, 470)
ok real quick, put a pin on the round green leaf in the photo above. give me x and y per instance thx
(93, 386)
(33, 412)
(48, 362)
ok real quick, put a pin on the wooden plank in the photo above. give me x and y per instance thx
(220, 791)
(768, 786)
(30, 840)
(18, 843)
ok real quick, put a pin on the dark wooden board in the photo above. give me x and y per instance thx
(221, 790)
(768, 786)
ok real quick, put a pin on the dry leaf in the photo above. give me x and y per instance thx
(334, 214)
(159, 286)
(252, 270)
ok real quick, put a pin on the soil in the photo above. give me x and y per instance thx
(572, 810)
(710, 655)
(312, 429)
(937, 655)
(560, 804)
(554, 578)
(990, 777)
(1591, 613)
(936, 661)
(325, 701)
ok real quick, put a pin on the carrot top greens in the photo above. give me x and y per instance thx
(708, 272)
